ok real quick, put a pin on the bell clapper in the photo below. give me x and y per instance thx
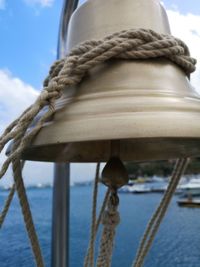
(114, 176)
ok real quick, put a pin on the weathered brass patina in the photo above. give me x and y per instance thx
(148, 105)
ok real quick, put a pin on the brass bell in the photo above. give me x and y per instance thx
(148, 105)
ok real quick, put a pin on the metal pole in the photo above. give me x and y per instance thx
(60, 219)
(61, 186)
(68, 8)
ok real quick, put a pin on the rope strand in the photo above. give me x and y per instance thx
(93, 223)
(7, 205)
(8, 201)
(157, 217)
(110, 220)
(19, 184)
(105, 201)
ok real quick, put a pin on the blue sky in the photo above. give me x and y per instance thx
(29, 38)
(184, 6)
(29, 30)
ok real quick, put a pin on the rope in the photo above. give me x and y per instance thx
(8, 202)
(110, 220)
(19, 184)
(7, 205)
(93, 223)
(105, 201)
(131, 44)
(97, 223)
(157, 217)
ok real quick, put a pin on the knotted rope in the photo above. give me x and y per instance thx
(129, 44)
(89, 258)
(110, 220)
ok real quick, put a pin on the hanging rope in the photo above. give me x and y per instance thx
(19, 184)
(93, 224)
(8, 201)
(130, 44)
(110, 220)
(159, 214)
(7, 205)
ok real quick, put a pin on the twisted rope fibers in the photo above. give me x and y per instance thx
(98, 221)
(93, 223)
(110, 220)
(8, 201)
(7, 205)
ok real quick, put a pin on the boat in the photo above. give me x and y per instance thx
(150, 185)
(190, 188)
(127, 188)
(158, 185)
(189, 203)
(140, 189)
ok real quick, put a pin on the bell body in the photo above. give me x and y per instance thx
(149, 106)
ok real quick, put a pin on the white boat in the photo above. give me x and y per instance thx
(158, 185)
(136, 188)
(140, 189)
(127, 188)
(152, 185)
(191, 188)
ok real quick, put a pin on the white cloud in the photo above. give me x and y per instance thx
(15, 96)
(42, 3)
(187, 28)
(2, 4)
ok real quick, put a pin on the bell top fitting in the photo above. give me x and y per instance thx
(148, 105)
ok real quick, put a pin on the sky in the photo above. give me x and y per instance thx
(29, 31)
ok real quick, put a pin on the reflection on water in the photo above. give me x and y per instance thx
(177, 243)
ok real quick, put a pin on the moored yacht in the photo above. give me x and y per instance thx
(191, 188)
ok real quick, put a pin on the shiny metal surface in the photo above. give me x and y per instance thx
(61, 187)
(68, 8)
(149, 105)
(60, 216)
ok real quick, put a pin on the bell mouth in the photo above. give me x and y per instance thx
(137, 149)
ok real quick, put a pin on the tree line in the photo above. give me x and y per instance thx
(159, 168)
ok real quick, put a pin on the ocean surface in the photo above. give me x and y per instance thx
(176, 245)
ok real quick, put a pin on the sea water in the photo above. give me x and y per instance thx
(177, 243)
